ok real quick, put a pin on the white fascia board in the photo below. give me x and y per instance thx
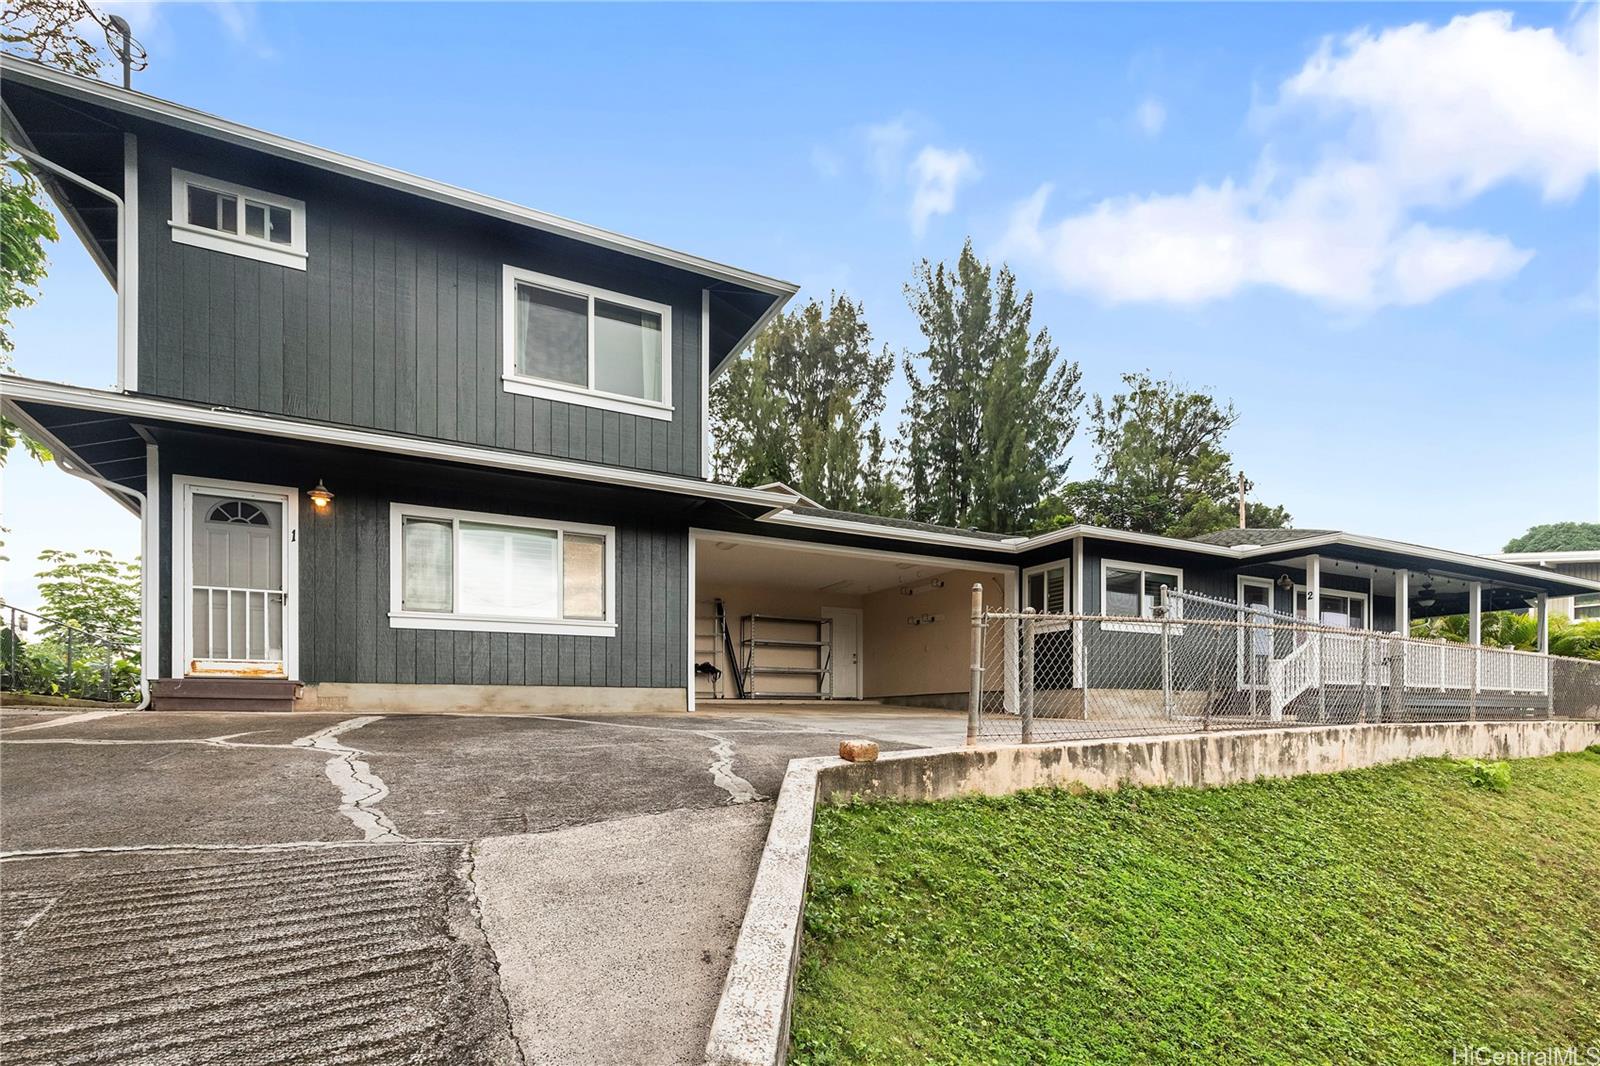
(165, 111)
(1547, 558)
(1123, 536)
(1440, 555)
(226, 418)
(870, 529)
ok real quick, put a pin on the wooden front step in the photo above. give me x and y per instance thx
(223, 694)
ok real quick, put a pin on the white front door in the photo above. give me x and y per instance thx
(1255, 645)
(236, 567)
(846, 651)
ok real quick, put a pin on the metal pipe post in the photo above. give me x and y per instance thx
(975, 697)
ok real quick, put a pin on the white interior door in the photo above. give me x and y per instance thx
(846, 651)
(238, 572)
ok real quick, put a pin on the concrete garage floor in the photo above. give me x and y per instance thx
(253, 888)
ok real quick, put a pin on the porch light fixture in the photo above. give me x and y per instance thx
(320, 496)
(1285, 582)
(1425, 596)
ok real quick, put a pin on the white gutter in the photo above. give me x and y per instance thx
(1547, 558)
(124, 330)
(136, 406)
(167, 112)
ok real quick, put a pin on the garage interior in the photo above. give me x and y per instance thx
(787, 622)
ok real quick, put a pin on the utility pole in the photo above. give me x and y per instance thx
(1241, 499)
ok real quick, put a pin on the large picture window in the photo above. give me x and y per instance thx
(224, 217)
(464, 570)
(1133, 591)
(1337, 608)
(579, 344)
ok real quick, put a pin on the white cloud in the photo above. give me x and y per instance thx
(1430, 117)
(886, 149)
(1150, 116)
(936, 174)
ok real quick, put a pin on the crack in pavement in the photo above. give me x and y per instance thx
(360, 790)
(68, 719)
(466, 871)
(738, 789)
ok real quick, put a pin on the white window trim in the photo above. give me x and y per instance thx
(1065, 566)
(521, 384)
(399, 618)
(1143, 569)
(291, 255)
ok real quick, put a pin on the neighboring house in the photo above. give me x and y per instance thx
(1579, 564)
(398, 445)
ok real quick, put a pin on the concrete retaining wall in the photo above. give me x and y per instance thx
(751, 1027)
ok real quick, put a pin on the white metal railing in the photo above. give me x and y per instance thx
(255, 638)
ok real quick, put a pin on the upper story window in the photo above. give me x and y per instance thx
(224, 217)
(580, 344)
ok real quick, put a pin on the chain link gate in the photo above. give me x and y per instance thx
(1204, 664)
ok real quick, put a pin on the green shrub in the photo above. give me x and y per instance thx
(1495, 776)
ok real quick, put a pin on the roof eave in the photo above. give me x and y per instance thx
(155, 109)
(19, 390)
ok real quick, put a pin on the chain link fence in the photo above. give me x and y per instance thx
(1203, 664)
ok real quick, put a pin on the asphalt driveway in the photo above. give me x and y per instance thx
(251, 888)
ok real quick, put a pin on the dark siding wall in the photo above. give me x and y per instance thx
(344, 585)
(395, 323)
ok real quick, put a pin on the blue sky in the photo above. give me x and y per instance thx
(1374, 228)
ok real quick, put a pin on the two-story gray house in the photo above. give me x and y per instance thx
(397, 445)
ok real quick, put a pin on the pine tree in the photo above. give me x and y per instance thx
(992, 405)
(802, 407)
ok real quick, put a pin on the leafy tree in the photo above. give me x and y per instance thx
(992, 405)
(1162, 465)
(1516, 629)
(1558, 537)
(96, 592)
(57, 32)
(802, 408)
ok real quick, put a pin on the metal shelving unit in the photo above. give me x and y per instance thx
(752, 640)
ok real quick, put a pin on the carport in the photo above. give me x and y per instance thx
(788, 621)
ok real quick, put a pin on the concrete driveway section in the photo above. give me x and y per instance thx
(314, 888)
(613, 939)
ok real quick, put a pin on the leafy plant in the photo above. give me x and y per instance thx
(1557, 537)
(1495, 776)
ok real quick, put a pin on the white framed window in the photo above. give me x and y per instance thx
(225, 217)
(466, 570)
(579, 344)
(1133, 591)
(1585, 605)
(1044, 588)
(1338, 608)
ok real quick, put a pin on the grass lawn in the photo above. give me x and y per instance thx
(1375, 916)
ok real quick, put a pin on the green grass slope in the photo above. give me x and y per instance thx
(1376, 916)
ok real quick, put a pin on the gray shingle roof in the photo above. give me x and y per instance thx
(1232, 538)
(898, 523)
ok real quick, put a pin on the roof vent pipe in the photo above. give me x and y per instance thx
(124, 48)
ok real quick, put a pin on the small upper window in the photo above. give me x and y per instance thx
(579, 344)
(224, 217)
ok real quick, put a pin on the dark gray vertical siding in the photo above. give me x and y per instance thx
(394, 324)
(343, 604)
